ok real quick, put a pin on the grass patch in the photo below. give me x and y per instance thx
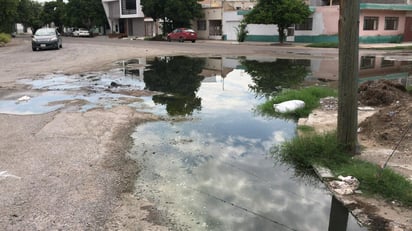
(5, 38)
(324, 45)
(306, 129)
(305, 151)
(310, 95)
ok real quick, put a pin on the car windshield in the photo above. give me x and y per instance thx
(42, 32)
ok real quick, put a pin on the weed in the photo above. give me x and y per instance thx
(309, 95)
(303, 152)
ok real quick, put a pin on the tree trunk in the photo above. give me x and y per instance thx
(281, 31)
(348, 75)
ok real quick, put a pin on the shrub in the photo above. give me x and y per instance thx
(5, 38)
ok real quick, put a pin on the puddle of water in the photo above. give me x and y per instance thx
(55, 91)
(214, 171)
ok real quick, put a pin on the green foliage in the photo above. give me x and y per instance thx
(241, 31)
(376, 181)
(175, 13)
(305, 151)
(271, 77)
(54, 12)
(8, 15)
(4, 38)
(284, 13)
(305, 129)
(30, 14)
(310, 95)
(85, 13)
(324, 45)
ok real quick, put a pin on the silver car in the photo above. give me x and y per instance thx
(46, 38)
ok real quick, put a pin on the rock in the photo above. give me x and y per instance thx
(289, 106)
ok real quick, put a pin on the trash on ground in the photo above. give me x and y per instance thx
(289, 106)
(23, 98)
(345, 185)
(4, 174)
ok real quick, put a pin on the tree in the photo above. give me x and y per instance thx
(85, 13)
(8, 15)
(174, 13)
(29, 14)
(284, 13)
(54, 12)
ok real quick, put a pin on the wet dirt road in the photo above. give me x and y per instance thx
(68, 170)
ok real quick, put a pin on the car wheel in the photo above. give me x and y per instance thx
(193, 41)
(181, 40)
(33, 49)
(169, 39)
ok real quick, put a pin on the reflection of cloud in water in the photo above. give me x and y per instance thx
(231, 183)
(233, 97)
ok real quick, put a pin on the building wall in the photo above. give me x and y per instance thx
(381, 25)
(209, 14)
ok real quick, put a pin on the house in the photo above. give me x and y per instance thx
(380, 21)
(125, 17)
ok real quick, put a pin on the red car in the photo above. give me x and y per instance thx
(182, 34)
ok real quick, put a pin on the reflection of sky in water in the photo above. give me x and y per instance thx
(90, 88)
(36, 105)
(214, 172)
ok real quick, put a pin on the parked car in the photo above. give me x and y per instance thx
(81, 32)
(46, 38)
(182, 34)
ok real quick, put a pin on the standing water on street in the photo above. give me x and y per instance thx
(209, 165)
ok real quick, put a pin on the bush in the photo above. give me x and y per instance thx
(5, 38)
(241, 31)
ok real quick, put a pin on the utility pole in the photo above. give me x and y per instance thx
(348, 75)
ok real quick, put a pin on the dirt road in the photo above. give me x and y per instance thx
(68, 170)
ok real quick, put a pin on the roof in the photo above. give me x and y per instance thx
(375, 6)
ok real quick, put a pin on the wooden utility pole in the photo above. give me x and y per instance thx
(348, 75)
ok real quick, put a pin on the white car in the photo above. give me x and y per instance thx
(81, 32)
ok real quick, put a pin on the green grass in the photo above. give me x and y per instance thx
(5, 38)
(306, 129)
(324, 45)
(310, 95)
(304, 151)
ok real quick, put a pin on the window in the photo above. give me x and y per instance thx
(306, 25)
(129, 7)
(201, 25)
(370, 23)
(367, 62)
(130, 4)
(391, 23)
(387, 63)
